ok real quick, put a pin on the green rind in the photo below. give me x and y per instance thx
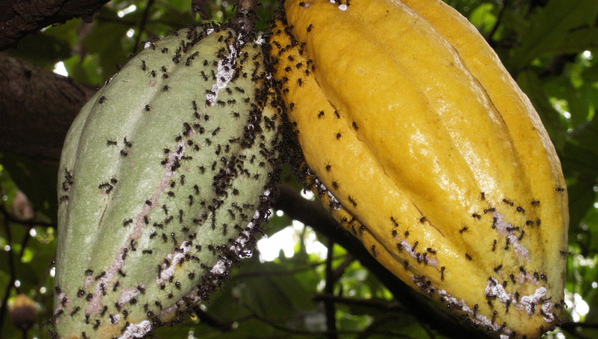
(178, 208)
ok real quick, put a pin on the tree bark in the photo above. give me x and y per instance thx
(37, 107)
(21, 17)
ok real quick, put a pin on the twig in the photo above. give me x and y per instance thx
(11, 267)
(294, 331)
(380, 322)
(246, 15)
(25, 242)
(279, 273)
(208, 319)
(199, 6)
(380, 304)
(11, 260)
(142, 25)
(312, 213)
(329, 307)
(490, 35)
(571, 324)
(338, 272)
(31, 223)
(572, 328)
(173, 24)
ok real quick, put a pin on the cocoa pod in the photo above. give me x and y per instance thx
(165, 177)
(422, 145)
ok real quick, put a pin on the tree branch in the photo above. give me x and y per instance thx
(312, 213)
(253, 274)
(276, 324)
(200, 7)
(12, 271)
(8, 217)
(490, 36)
(246, 15)
(12, 260)
(142, 24)
(37, 107)
(329, 307)
(21, 17)
(221, 325)
(574, 328)
(379, 304)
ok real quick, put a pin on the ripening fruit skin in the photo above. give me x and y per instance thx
(165, 177)
(423, 146)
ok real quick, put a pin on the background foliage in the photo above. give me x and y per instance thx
(550, 47)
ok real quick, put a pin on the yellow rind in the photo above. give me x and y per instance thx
(430, 134)
(516, 110)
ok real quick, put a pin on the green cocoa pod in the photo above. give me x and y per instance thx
(165, 177)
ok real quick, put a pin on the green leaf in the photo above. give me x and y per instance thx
(67, 31)
(590, 74)
(580, 100)
(42, 49)
(264, 288)
(550, 26)
(37, 181)
(180, 5)
(173, 15)
(108, 41)
(576, 41)
(589, 225)
(483, 18)
(531, 84)
(581, 200)
(580, 164)
(579, 160)
(587, 135)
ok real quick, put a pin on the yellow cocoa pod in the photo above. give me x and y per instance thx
(423, 146)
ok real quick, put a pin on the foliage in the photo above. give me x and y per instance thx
(550, 47)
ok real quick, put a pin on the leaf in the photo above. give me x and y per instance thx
(579, 161)
(285, 290)
(276, 224)
(587, 135)
(590, 224)
(576, 41)
(550, 26)
(390, 322)
(581, 200)
(590, 74)
(42, 49)
(180, 5)
(37, 181)
(181, 19)
(532, 86)
(108, 37)
(87, 71)
(267, 289)
(579, 100)
(106, 40)
(580, 103)
(67, 31)
(483, 18)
